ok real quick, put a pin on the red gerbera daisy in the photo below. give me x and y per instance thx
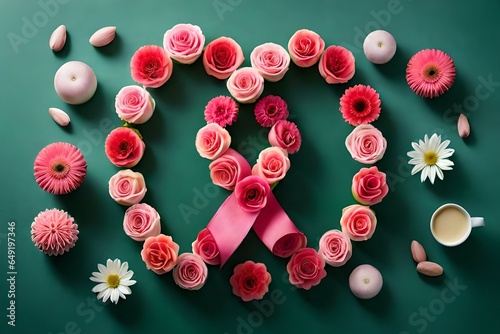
(222, 110)
(151, 66)
(430, 73)
(269, 110)
(360, 105)
(54, 232)
(60, 168)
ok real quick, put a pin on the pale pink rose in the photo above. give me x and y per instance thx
(190, 272)
(272, 164)
(336, 65)
(134, 104)
(206, 247)
(226, 170)
(286, 135)
(127, 187)
(369, 186)
(358, 222)
(222, 57)
(184, 42)
(306, 268)
(271, 60)
(141, 221)
(305, 47)
(160, 253)
(251, 193)
(366, 144)
(250, 280)
(287, 245)
(335, 248)
(212, 141)
(245, 85)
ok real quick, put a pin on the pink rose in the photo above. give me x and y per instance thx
(151, 66)
(184, 42)
(190, 272)
(124, 147)
(228, 169)
(271, 60)
(369, 186)
(212, 141)
(250, 280)
(358, 222)
(251, 193)
(206, 247)
(160, 253)
(287, 245)
(141, 221)
(245, 85)
(286, 135)
(305, 47)
(134, 104)
(336, 65)
(127, 187)
(335, 248)
(366, 144)
(222, 57)
(306, 268)
(272, 164)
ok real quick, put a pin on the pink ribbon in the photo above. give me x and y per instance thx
(231, 224)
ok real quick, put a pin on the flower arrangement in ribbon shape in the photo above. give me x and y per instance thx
(252, 203)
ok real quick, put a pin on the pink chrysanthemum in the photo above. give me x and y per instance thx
(222, 110)
(360, 105)
(151, 66)
(269, 110)
(54, 232)
(60, 168)
(430, 73)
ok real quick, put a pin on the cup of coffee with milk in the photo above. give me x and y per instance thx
(451, 224)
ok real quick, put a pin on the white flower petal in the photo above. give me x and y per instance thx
(99, 276)
(440, 173)
(417, 168)
(100, 287)
(103, 269)
(414, 154)
(106, 295)
(128, 275)
(424, 174)
(115, 295)
(123, 269)
(432, 173)
(124, 289)
(416, 161)
(128, 282)
(418, 148)
(442, 146)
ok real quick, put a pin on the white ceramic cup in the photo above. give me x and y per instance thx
(451, 224)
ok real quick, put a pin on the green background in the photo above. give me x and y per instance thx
(53, 294)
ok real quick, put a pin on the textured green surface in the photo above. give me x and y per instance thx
(52, 292)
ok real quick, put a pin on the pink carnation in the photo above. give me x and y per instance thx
(269, 110)
(250, 280)
(222, 110)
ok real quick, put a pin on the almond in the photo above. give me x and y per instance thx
(463, 126)
(59, 116)
(428, 268)
(103, 36)
(58, 38)
(418, 252)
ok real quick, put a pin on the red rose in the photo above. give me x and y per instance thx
(124, 147)
(369, 186)
(222, 57)
(306, 268)
(151, 66)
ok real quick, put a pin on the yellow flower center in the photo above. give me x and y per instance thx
(113, 281)
(430, 157)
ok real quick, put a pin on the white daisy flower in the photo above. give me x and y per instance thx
(431, 157)
(114, 280)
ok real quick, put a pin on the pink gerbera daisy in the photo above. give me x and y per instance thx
(54, 232)
(360, 105)
(222, 110)
(430, 73)
(60, 168)
(269, 110)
